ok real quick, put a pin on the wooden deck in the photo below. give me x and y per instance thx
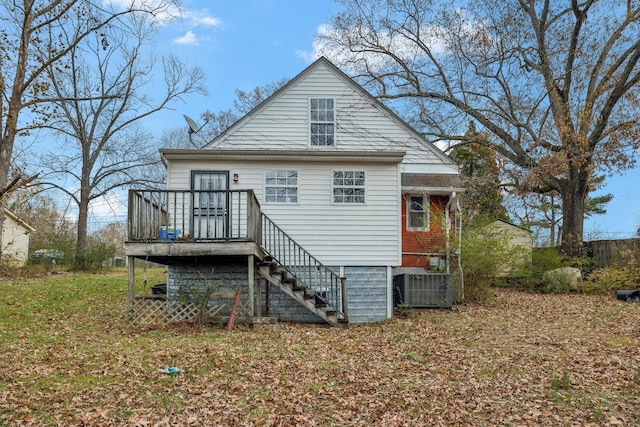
(191, 227)
(169, 224)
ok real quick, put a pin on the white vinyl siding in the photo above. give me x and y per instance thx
(337, 234)
(281, 186)
(283, 123)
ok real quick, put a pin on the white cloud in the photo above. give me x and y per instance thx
(188, 39)
(163, 11)
(108, 207)
(401, 46)
(200, 18)
(193, 19)
(205, 21)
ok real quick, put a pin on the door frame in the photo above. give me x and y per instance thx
(196, 200)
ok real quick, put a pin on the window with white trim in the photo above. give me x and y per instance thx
(322, 121)
(281, 186)
(348, 186)
(417, 212)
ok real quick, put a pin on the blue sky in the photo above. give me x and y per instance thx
(247, 43)
(243, 44)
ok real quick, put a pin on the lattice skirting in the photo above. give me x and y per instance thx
(147, 312)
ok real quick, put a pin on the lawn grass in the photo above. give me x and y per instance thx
(69, 358)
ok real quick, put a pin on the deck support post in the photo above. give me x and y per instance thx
(345, 307)
(267, 296)
(256, 284)
(131, 265)
(251, 281)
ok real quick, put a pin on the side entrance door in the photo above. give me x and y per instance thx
(210, 204)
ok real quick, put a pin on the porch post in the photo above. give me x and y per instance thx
(251, 280)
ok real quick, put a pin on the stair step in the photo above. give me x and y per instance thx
(266, 262)
(279, 275)
(316, 302)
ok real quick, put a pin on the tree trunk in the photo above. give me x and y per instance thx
(573, 197)
(1, 227)
(552, 236)
(83, 215)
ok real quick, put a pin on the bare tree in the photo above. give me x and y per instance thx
(97, 107)
(555, 83)
(30, 30)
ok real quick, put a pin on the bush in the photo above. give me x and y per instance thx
(487, 258)
(94, 256)
(609, 279)
(545, 259)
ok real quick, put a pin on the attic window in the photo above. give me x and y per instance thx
(322, 121)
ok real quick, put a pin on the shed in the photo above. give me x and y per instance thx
(519, 242)
(15, 238)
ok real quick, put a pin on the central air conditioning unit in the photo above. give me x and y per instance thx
(427, 290)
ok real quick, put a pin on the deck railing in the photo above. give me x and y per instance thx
(200, 215)
(319, 280)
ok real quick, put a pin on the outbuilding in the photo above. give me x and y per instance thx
(15, 238)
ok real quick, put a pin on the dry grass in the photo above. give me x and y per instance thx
(69, 359)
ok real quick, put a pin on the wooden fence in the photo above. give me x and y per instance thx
(608, 253)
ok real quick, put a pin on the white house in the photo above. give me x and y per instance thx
(15, 238)
(334, 173)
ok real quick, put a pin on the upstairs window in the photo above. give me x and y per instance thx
(348, 186)
(322, 121)
(418, 212)
(281, 186)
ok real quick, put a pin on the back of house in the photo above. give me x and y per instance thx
(343, 177)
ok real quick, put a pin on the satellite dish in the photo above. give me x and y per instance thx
(193, 126)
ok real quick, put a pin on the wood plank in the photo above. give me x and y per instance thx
(184, 249)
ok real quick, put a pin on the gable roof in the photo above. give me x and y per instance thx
(503, 221)
(323, 62)
(20, 222)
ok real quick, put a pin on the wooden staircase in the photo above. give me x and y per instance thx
(301, 276)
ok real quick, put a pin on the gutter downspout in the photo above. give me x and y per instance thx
(458, 215)
(457, 231)
(447, 228)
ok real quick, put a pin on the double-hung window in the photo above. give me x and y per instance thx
(281, 186)
(418, 212)
(322, 121)
(348, 186)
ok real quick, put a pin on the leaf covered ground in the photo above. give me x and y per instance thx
(69, 358)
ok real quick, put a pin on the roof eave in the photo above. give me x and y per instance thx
(285, 155)
(433, 190)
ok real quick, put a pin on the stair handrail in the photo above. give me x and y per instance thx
(325, 284)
